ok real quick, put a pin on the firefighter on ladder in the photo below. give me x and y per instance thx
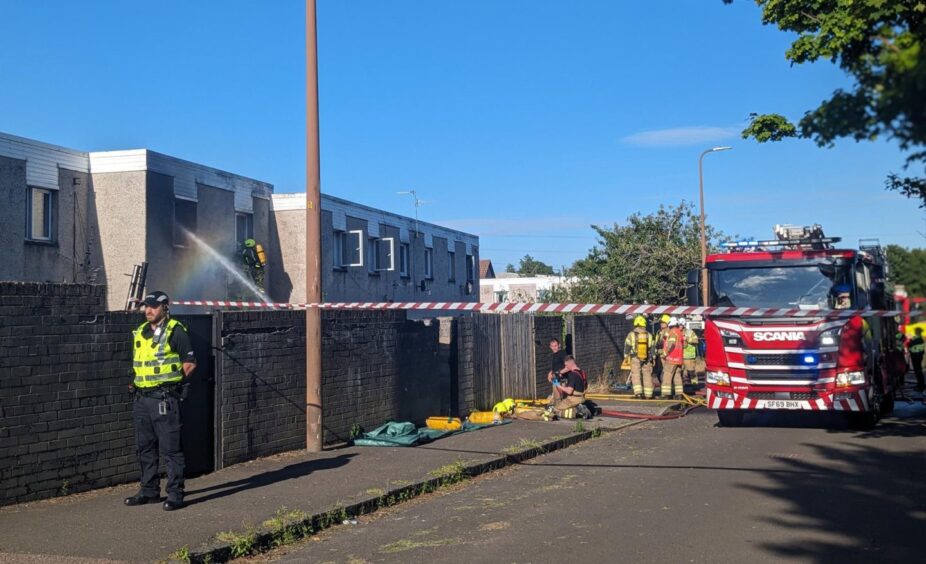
(638, 347)
(673, 361)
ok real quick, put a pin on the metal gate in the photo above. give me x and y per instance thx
(197, 435)
(503, 352)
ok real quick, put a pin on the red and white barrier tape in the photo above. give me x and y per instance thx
(524, 307)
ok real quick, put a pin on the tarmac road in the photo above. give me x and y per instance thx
(677, 491)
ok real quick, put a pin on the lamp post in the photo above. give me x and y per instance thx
(704, 279)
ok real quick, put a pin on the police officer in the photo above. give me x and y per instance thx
(163, 359)
(638, 347)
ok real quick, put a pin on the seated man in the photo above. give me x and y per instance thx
(570, 386)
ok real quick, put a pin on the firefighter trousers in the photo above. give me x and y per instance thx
(641, 377)
(672, 378)
(159, 432)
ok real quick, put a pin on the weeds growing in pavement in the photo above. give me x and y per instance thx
(180, 555)
(241, 544)
(524, 444)
(449, 473)
(579, 427)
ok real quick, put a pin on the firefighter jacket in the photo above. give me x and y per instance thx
(674, 347)
(691, 345)
(155, 362)
(639, 345)
(660, 342)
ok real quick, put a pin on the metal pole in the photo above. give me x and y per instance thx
(313, 341)
(704, 280)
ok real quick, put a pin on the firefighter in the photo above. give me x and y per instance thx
(917, 349)
(163, 359)
(659, 340)
(254, 261)
(690, 355)
(638, 347)
(673, 355)
(842, 296)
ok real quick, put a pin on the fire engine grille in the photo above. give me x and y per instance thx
(782, 375)
(783, 395)
(775, 359)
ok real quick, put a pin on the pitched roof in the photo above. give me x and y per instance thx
(485, 269)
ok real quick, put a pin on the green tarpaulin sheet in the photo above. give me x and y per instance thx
(407, 434)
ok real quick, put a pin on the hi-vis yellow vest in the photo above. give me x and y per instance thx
(155, 363)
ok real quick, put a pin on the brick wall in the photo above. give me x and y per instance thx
(598, 342)
(65, 410)
(461, 362)
(261, 382)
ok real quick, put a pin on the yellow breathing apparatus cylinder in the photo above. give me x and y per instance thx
(261, 255)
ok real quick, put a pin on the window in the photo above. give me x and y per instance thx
(40, 215)
(862, 285)
(403, 260)
(451, 266)
(373, 258)
(470, 269)
(348, 248)
(501, 297)
(385, 255)
(184, 222)
(429, 264)
(244, 228)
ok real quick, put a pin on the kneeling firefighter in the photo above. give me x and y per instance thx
(638, 347)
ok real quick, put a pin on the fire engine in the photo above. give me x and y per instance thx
(813, 357)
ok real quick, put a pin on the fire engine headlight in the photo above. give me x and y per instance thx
(829, 338)
(850, 378)
(731, 339)
(718, 378)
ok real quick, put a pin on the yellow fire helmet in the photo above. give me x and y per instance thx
(639, 321)
(250, 243)
(665, 318)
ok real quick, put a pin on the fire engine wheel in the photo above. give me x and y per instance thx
(730, 417)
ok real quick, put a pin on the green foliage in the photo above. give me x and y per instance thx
(880, 45)
(646, 260)
(908, 267)
(531, 267)
(579, 427)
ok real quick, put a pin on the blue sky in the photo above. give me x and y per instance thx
(523, 121)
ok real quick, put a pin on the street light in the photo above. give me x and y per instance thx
(704, 280)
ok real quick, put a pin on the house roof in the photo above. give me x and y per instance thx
(485, 269)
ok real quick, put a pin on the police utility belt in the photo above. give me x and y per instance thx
(176, 390)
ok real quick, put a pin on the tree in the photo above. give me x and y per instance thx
(531, 267)
(645, 260)
(908, 267)
(880, 44)
(510, 268)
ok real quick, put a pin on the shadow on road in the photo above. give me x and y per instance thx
(867, 500)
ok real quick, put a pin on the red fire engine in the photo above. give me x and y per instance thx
(817, 360)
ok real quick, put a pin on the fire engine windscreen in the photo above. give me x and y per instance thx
(802, 286)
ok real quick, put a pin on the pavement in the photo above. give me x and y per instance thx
(784, 487)
(97, 527)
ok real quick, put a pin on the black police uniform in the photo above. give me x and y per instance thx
(156, 415)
